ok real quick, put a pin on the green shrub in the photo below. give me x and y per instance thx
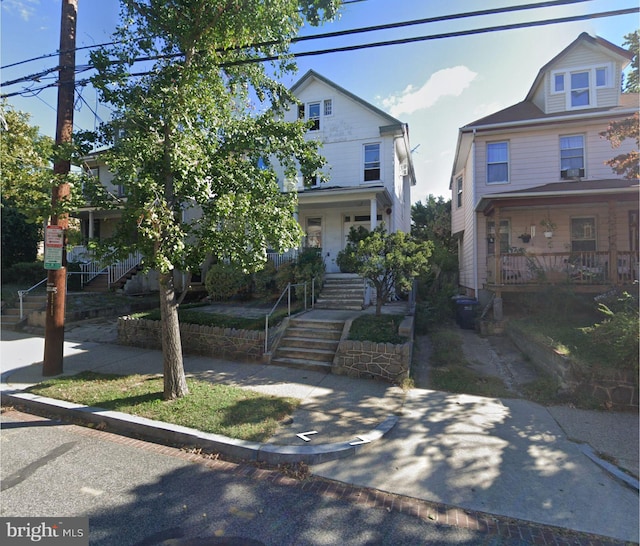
(225, 280)
(285, 275)
(24, 273)
(617, 335)
(308, 266)
(346, 258)
(264, 281)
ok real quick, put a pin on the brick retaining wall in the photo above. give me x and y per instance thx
(240, 345)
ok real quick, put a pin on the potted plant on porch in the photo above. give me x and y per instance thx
(548, 226)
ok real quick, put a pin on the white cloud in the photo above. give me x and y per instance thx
(448, 82)
(24, 8)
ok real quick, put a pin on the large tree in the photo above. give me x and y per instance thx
(196, 133)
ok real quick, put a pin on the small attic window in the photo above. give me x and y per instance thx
(558, 83)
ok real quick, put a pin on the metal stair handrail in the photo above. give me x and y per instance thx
(22, 293)
(287, 291)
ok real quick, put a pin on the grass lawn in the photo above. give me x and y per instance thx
(209, 407)
(451, 373)
(189, 314)
(379, 329)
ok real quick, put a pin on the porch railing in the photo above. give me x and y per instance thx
(279, 259)
(90, 268)
(519, 268)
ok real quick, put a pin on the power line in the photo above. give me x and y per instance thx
(400, 41)
(49, 55)
(348, 32)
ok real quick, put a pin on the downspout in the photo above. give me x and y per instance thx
(475, 216)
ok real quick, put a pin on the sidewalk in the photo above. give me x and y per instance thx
(505, 457)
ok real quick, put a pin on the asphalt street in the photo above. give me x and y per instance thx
(135, 494)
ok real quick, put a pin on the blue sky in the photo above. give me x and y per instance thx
(435, 86)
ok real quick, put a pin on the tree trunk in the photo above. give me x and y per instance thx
(175, 383)
(380, 298)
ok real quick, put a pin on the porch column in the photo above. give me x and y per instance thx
(374, 213)
(496, 245)
(613, 243)
(90, 231)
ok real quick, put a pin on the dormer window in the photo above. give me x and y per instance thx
(580, 89)
(579, 85)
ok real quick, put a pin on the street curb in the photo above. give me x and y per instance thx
(610, 468)
(166, 433)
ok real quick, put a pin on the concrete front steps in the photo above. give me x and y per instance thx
(309, 344)
(342, 291)
(31, 302)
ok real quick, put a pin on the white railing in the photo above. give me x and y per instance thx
(279, 259)
(90, 268)
(122, 267)
(23, 293)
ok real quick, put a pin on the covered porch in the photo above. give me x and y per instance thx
(582, 233)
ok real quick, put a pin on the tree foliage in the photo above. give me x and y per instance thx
(25, 156)
(390, 261)
(632, 41)
(20, 238)
(624, 164)
(195, 136)
(432, 222)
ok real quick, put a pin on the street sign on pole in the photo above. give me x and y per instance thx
(53, 246)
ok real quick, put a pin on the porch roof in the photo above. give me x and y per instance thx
(564, 193)
(349, 195)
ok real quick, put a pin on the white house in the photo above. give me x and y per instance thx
(542, 161)
(369, 167)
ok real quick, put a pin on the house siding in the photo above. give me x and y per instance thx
(534, 162)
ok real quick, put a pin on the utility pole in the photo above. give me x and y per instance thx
(57, 275)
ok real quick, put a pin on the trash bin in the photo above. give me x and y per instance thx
(466, 312)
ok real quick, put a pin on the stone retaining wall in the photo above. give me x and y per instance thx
(614, 388)
(240, 345)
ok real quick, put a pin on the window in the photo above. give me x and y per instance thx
(371, 162)
(314, 115)
(497, 162)
(328, 107)
(601, 77)
(310, 181)
(314, 232)
(503, 236)
(559, 83)
(580, 89)
(459, 191)
(300, 111)
(572, 156)
(583, 234)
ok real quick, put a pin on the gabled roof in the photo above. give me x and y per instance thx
(584, 38)
(313, 74)
(527, 111)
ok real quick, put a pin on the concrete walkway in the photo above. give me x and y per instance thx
(507, 457)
